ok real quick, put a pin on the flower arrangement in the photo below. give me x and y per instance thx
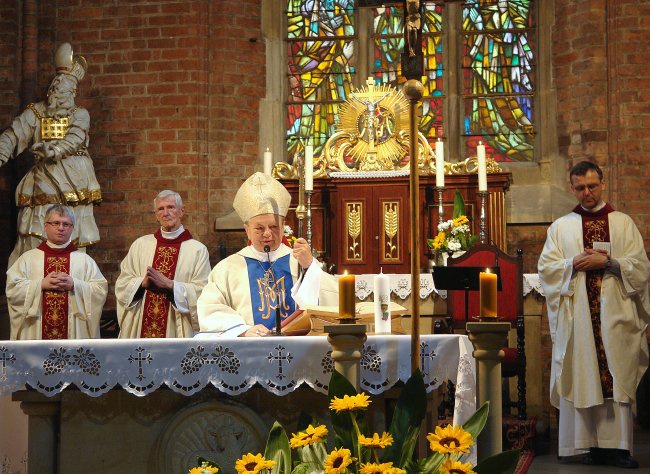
(288, 234)
(390, 452)
(454, 234)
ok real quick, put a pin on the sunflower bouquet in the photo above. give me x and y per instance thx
(454, 234)
(288, 234)
(390, 452)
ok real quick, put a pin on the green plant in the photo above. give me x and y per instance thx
(454, 234)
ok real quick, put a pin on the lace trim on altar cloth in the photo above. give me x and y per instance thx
(532, 283)
(370, 174)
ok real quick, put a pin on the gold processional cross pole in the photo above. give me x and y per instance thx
(413, 70)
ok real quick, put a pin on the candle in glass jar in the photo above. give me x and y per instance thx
(309, 168)
(482, 167)
(440, 164)
(488, 290)
(268, 162)
(346, 296)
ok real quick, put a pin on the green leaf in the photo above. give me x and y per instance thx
(476, 422)
(306, 468)
(278, 450)
(502, 463)
(314, 454)
(459, 205)
(427, 465)
(407, 418)
(209, 463)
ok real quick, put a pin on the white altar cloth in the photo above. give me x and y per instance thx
(278, 364)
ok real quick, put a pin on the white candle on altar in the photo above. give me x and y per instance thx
(382, 302)
(482, 167)
(309, 168)
(268, 162)
(440, 164)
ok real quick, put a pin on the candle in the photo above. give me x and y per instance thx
(268, 162)
(488, 290)
(440, 164)
(346, 296)
(309, 168)
(382, 300)
(482, 167)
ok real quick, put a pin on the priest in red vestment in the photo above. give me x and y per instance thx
(55, 291)
(594, 271)
(162, 277)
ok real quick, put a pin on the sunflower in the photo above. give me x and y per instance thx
(450, 439)
(204, 469)
(310, 436)
(386, 439)
(460, 220)
(253, 464)
(348, 403)
(456, 467)
(338, 461)
(376, 468)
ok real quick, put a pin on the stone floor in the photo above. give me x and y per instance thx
(549, 463)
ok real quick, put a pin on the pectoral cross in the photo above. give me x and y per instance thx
(279, 357)
(139, 359)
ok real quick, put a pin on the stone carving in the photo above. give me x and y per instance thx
(56, 133)
(221, 431)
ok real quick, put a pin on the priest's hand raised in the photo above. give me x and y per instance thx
(302, 252)
(258, 330)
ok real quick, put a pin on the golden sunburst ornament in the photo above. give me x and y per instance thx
(370, 130)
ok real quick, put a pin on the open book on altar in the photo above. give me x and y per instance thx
(312, 319)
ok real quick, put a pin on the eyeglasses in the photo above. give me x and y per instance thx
(65, 225)
(591, 187)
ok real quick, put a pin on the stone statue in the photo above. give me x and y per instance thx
(63, 172)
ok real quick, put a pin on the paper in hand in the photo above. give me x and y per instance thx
(603, 246)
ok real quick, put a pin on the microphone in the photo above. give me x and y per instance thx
(278, 316)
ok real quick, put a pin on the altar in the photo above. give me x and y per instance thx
(147, 405)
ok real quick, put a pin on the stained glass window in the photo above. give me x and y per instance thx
(496, 70)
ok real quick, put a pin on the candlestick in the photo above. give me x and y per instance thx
(441, 209)
(440, 163)
(300, 209)
(382, 302)
(268, 162)
(309, 168)
(482, 235)
(482, 167)
(346, 296)
(488, 290)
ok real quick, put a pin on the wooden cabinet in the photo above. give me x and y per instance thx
(362, 225)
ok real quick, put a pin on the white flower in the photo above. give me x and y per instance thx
(461, 229)
(453, 245)
(288, 231)
(444, 227)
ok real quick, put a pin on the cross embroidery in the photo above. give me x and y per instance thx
(424, 356)
(139, 359)
(4, 359)
(278, 356)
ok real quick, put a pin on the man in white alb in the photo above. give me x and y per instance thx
(245, 289)
(55, 291)
(594, 272)
(162, 277)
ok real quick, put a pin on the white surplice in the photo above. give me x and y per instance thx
(191, 275)
(625, 313)
(85, 300)
(225, 307)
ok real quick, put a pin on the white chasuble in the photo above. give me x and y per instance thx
(238, 297)
(190, 276)
(25, 297)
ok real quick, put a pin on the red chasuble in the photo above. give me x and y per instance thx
(595, 228)
(54, 304)
(156, 303)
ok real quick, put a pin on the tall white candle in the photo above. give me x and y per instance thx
(268, 162)
(382, 302)
(309, 168)
(482, 167)
(440, 164)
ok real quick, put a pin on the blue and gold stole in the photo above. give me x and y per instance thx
(270, 285)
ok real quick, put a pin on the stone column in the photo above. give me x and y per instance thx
(43, 429)
(488, 339)
(347, 341)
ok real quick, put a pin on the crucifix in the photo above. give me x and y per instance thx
(139, 359)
